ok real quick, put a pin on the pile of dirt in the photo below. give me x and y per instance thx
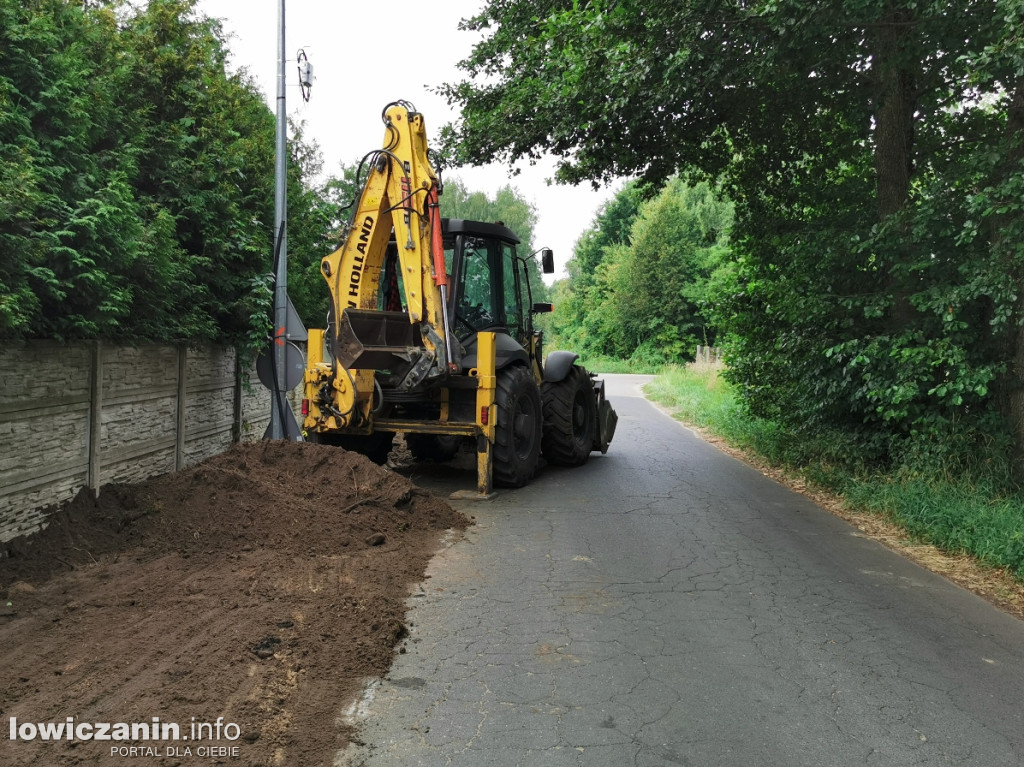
(263, 586)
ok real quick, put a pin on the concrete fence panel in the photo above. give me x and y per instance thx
(87, 414)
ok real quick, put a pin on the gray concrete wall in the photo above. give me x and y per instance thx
(84, 415)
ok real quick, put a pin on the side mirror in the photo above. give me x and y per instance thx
(547, 261)
(544, 308)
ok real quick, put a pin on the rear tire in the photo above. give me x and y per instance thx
(570, 418)
(518, 429)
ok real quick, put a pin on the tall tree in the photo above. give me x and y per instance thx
(65, 212)
(678, 240)
(204, 142)
(856, 138)
(584, 318)
(612, 226)
(643, 293)
(136, 176)
(993, 187)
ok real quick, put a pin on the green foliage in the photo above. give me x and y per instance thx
(875, 156)
(678, 240)
(584, 319)
(136, 177)
(957, 517)
(508, 206)
(318, 206)
(698, 394)
(602, 365)
(205, 159)
(58, 185)
(638, 281)
(612, 226)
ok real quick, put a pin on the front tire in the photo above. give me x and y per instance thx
(518, 429)
(570, 418)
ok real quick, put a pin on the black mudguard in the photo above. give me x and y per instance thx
(507, 351)
(557, 366)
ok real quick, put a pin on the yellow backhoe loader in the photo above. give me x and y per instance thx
(431, 334)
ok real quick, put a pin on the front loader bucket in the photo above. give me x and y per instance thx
(373, 340)
(607, 419)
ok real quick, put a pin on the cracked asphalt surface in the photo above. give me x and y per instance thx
(666, 604)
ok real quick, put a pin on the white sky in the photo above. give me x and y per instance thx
(366, 55)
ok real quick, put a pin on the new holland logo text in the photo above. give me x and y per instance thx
(357, 262)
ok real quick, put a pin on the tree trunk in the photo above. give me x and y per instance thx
(1014, 387)
(895, 105)
(1011, 388)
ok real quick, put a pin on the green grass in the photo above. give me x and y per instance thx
(697, 394)
(960, 515)
(615, 365)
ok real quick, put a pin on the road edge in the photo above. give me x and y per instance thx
(995, 585)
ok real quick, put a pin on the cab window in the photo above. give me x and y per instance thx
(511, 294)
(481, 294)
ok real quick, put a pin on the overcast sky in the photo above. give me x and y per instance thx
(366, 55)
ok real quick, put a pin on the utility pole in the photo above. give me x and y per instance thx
(281, 369)
(281, 418)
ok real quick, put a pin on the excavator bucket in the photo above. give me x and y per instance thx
(373, 340)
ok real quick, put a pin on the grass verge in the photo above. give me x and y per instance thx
(615, 365)
(958, 517)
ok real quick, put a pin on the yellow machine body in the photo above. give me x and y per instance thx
(398, 204)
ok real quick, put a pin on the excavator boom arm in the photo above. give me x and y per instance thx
(397, 195)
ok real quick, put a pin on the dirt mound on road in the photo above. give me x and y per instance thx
(262, 586)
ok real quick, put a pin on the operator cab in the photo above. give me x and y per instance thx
(485, 292)
(490, 289)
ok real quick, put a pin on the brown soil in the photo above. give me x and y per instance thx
(264, 586)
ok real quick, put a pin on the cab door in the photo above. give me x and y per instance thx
(480, 298)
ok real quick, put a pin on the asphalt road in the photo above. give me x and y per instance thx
(666, 604)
